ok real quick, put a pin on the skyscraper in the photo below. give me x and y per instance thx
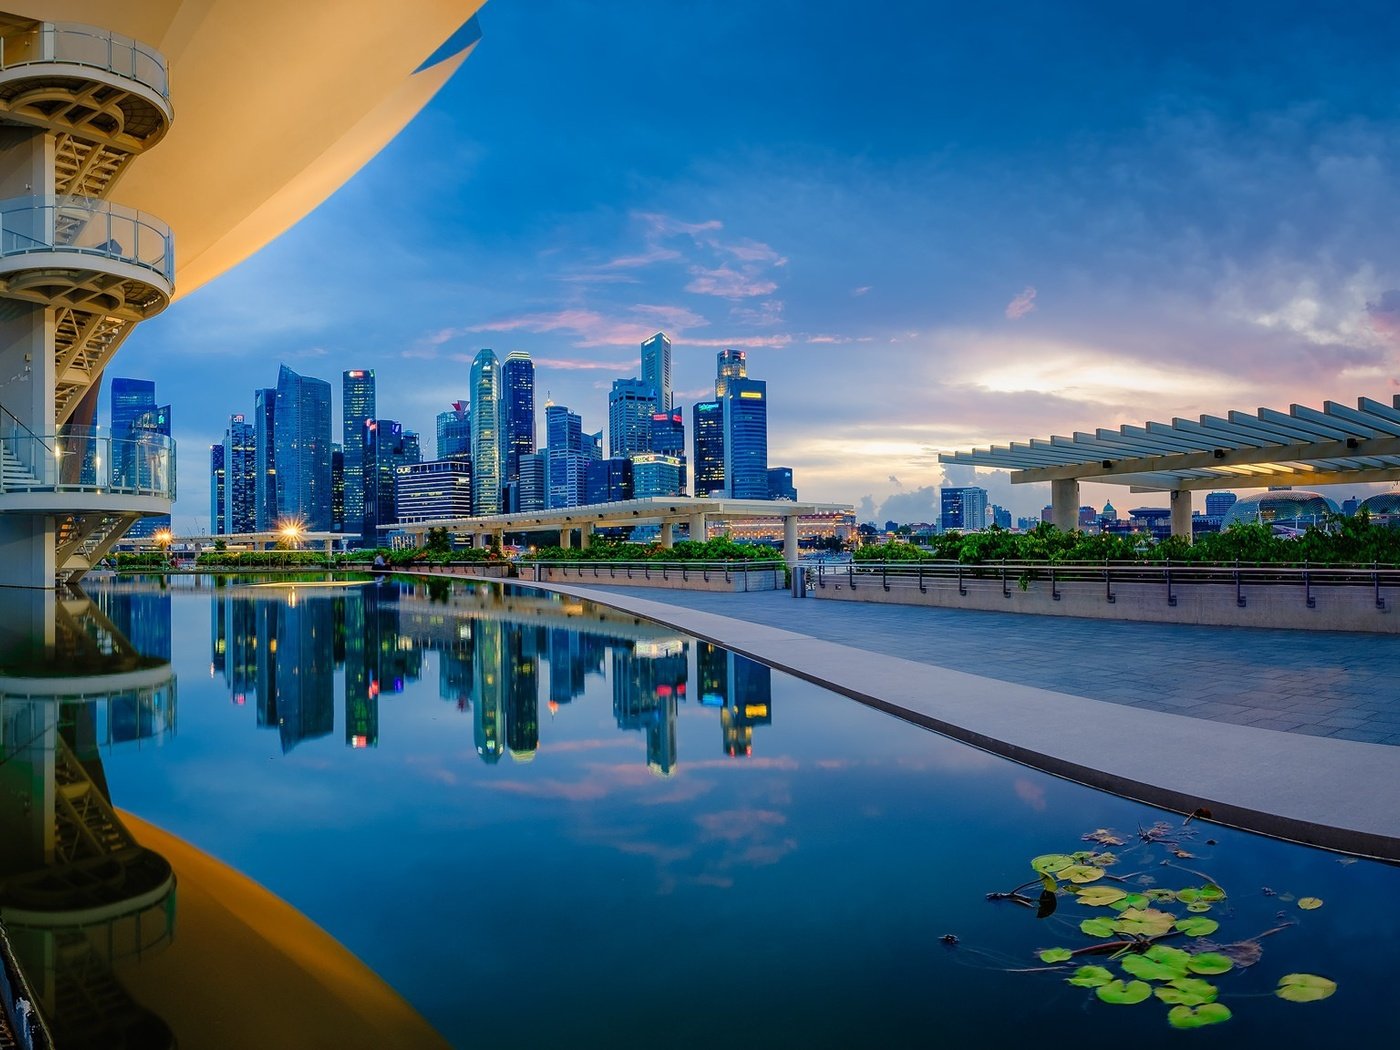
(534, 486)
(302, 436)
(1217, 503)
(656, 369)
(608, 480)
(517, 412)
(265, 485)
(130, 398)
(147, 438)
(563, 429)
(337, 489)
(655, 474)
(708, 426)
(486, 433)
(780, 484)
(357, 408)
(454, 432)
(964, 508)
(566, 468)
(383, 451)
(730, 364)
(217, 477)
(631, 405)
(668, 439)
(745, 403)
(239, 468)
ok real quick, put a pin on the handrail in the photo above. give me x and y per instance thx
(41, 223)
(81, 459)
(75, 44)
(6, 414)
(1305, 574)
(767, 565)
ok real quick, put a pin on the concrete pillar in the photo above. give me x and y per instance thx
(566, 538)
(498, 538)
(666, 530)
(585, 535)
(790, 539)
(1181, 513)
(1064, 504)
(697, 528)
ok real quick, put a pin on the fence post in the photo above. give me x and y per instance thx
(1308, 598)
(1239, 592)
(1108, 594)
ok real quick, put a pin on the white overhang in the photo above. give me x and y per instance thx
(1303, 446)
(628, 512)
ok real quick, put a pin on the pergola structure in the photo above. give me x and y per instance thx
(695, 511)
(1303, 446)
(327, 541)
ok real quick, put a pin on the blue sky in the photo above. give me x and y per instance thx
(933, 227)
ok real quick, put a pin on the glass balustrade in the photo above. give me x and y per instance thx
(89, 226)
(84, 459)
(73, 44)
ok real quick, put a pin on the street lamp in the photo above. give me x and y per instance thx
(292, 532)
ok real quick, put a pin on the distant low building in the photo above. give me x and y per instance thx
(439, 488)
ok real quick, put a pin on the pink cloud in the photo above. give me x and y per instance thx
(748, 250)
(596, 329)
(1022, 304)
(778, 339)
(770, 311)
(1384, 316)
(735, 824)
(728, 283)
(573, 364)
(665, 226)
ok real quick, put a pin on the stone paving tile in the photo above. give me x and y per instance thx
(1315, 683)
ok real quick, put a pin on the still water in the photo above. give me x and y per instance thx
(399, 813)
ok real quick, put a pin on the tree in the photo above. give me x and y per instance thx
(438, 541)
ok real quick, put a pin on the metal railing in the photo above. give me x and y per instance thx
(1167, 575)
(684, 571)
(74, 44)
(88, 226)
(83, 459)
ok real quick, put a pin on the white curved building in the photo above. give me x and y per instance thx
(127, 127)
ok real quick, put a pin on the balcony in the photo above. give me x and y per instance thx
(83, 469)
(85, 253)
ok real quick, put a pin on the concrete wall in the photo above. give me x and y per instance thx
(765, 579)
(1336, 608)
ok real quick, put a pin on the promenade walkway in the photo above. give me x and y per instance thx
(1330, 684)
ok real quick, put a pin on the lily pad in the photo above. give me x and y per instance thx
(1198, 1016)
(1198, 907)
(1149, 969)
(1137, 900)
(1102, 860)
(1212, 892)
(1097, 927)
(1104, 837)
(1189, 894)
(1209, 963)
(1195, 926)
(1081, 873)
(1098, 896)
(1188, 991)
(1124, 993)
(1090, 977)
(1145, 922)
(1055, 955)
(1159, 894)
(1304, 987)
(1173, 957)
(1082, 856)
(1310, 903)
(1051, 863)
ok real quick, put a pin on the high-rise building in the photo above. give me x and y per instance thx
(454, 432)
(486, 433)
(608, 480)
(130, 398)
(567, 477)
(534, 485)
(656, 369)
(337, 489)
(780, 484)
(412, 447)
(745, 403)
(656, 474)
(217, 477)
(563, 429)
(383, 453)
(240, 466)
(517, 412)
(729, 364)
(302, 436)
(148, 434)
(964, 508)
(357, 409)
(265, 485)
(440, 488)
(707, 418)
(1001, 517)
(631, 405)
(668, 438)
(1218, 503)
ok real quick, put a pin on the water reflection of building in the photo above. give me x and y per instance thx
(743, 691)
(455, 668)
(521, 672)
(649, 678)
(488, 717)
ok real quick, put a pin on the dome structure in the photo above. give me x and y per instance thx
(1280, 506)
(1382, 503)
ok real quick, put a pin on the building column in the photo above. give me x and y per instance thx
(697, 528)
(667, 528)
(790, 539)
(566, 538)
(1064, 504)
(585, 536)
(1181, 513)
(498, 538)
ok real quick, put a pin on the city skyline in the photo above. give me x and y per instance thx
(1153, 264)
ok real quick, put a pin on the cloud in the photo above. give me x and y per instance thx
(728, 283)
(1022, 304)
(568, 364)
(768, 312)
(1384, 316)
(861, 290)
(594, 328)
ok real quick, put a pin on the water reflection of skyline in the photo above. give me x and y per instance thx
(501, 655)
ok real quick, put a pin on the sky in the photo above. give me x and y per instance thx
(933, 226)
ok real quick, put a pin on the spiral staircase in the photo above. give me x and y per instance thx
(78, 271)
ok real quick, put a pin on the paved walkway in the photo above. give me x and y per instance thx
(1331, 684)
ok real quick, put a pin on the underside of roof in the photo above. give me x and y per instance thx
(1303, 446)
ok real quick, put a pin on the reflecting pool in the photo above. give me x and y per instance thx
(388, 812)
